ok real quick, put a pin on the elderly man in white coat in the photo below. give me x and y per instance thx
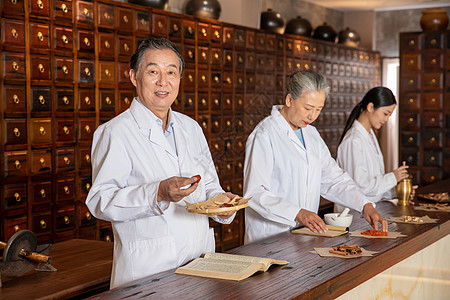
(144, 162)
(288, 167)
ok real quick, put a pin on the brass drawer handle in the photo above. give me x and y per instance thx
(13, 1)
(411, 62)
(205, 124)
(216, 101)
(204, 56)
(250, 58)
(86, 41)
(65, 100)
(42, 130)
(433, 61)
(228, 35)
(16, 132)
(411, 43)
(126, 100)
(411, 120)
(190, 30)
(17, 164)
(409, 159)
(66, 220)
(87, 100)
(108, 100)
(14, 33)
(87, 158)
(240, 165)
(240, 185)
(204, 33)
(411, 139)
(190, 101)
(107, 73)
(433, 100)
(160, 24)
(65, 70)
(108, 238)
(240, 124)
(126, 47)
(216, 123)
(126, 74)
(250, 79)
(433, 81)
(18, 197)
(216, 79)
(411, 81)
(217, 34)
(432, 178)
(433, 42)
(107, 16)
(203, 78)
(228, 167)
(16, 228)
(88, 187)
(40, 4)
(240, 59)
(190, 54)
(40, 36)
(217, 147)
(229, 80)
(64, 8)
(66, 190)
(42, 193)
(229, 57)
(228, 122)
(175, 28)
(228, 147)
(87, 72)
(42, 161)
(65, 39)
(240, 144)
(432, 139)
(107, 45)
(87, 129)
(66, 130)
(432, 120)
(86, 12)
(125, 19)
(411, 100)
(203, 101)
(88, 216)
(41, 68)
(240, 102)
(15, 66)
(144, 22)
(432, 159)
(191, 78)
(66, 160)
(216, 56)
(16, 99)
(43, 224)
(306, 48)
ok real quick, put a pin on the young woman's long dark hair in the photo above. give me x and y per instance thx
(380, 96)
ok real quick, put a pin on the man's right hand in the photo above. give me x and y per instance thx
(311, 220)
(170, 189)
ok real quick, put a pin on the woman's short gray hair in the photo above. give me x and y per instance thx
(306, 81)
(154, 43)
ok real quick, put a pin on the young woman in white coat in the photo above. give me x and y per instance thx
(142, 162)
(359, 152)
(288, 166)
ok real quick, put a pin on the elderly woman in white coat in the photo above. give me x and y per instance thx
(359, 152)
(288, 166)
(144, 162)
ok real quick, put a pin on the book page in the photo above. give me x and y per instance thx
(247, 259)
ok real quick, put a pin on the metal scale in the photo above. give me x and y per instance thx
(21, 255)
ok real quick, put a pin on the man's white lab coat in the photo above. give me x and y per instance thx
(130, 156)
(284, 177)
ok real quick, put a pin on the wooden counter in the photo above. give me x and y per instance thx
(84, 268)
(307, 275)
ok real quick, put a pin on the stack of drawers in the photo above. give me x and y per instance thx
(65, 71)
(425, 104)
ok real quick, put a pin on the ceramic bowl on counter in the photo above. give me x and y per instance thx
(333, 219)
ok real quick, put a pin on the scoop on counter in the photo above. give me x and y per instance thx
(336, 219)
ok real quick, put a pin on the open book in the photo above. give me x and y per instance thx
(227, 266)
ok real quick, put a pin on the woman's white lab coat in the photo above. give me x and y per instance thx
(363, 160)
(130, 156)
(284, 177)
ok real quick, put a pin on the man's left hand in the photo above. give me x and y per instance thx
(373, 217)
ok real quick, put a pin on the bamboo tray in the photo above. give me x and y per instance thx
(213, 206)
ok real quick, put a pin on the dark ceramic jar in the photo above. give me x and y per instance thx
(434, 19)
(209, 9)
(161, 4)
(349, 37)
(325, 32)
(272, 21)
(299, 26)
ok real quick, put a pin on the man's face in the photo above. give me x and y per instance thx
(158, 80)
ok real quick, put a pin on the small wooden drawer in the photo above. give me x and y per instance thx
(239, 81)
(40, 68)
(106, 44)
(42, 192)
(238, 186)
(410, 42)
(203, 32)
(175, 27)
(64, 69)
(105, 16)
(412, 158)
(41, 99)
(411, 62)
(227, 167)
(433, 60)
(410, 83)
(39, 8)
(39, 37)
(289, 44)
(86, 218)
(432, 158)
(13, 32)
(239, 60)
(239, 38)
(125, 46)
(13, 66)
(106, 235)
(16, 164)
(203, 120)
(65, 159)
(13, 225)
(250, 39)
(188, 80)
(84, 161)
(216, 124)
(216, 80)
(177, 105)
(189, 55)
(13, 7)
(15, 196)
(65, 130)
(203, 79)
(410, 121)
(230, 233)
(432, 119)
(86, 42)
(86, 128)
(65, 219)
(124, 73)
(216, 34)
(65, 190)
(106, 70)
(429, 177)
(433, 40)
(432, 139)
(85, 12)
(86, 71)
(41, 161)
(227, 103)
(250, 61)
(86, 100)
(239, 123)
(432, 101)
(15, 131)
(125, 98)
(125, 21)
(410, 139)
(227, 121)
(63, 10)
(63, 38)
(250, 81)
(227, 80)
(216, 58)
(228, 36)
(85, 183)
(238, 102)
(433, 81)
(410, 101)
(42, 222)
(142, 23)
(188, 29)
(64, 100)
(216, 102)
(189, 102)
(107, 101)
(203, 102)
(41, 131)
(14, 100)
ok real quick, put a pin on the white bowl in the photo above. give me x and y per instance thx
(332, 219)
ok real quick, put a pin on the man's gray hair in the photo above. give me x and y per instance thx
(306, 81)
(153, 43)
